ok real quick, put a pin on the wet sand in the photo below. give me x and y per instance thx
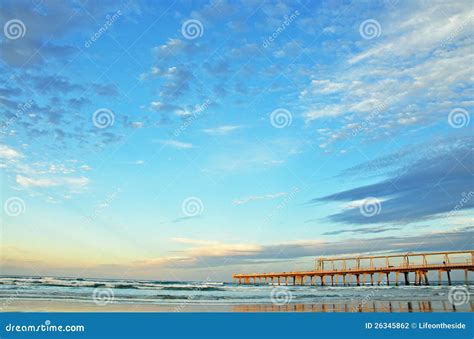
(373, 306)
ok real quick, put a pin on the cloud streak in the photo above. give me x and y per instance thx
(431, 184)
(246, 200)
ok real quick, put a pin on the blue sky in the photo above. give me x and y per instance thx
(183, 140)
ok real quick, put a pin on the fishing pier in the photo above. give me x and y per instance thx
(376, 269)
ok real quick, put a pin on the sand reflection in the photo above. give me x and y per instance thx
(376, 306)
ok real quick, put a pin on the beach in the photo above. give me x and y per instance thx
(376, 306)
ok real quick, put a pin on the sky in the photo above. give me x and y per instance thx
(194, 139)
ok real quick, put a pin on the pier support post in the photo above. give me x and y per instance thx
(358, 279)
(372, 279)
(466, 277)
(388, 278)
(322, 280)
(425, 274)
(448, 272)
(396, 278)
(407, 281)
(286, 281)
(439, 277)
(344, 278)
(332, 280)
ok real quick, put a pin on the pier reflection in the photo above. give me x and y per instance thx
(378, 306)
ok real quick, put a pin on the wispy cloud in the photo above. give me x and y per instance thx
(427, 185)
(177, 144)
(364, 230)
(392, 90)
(9, 153)
(78, 182)
(221, 130)
(259, 197)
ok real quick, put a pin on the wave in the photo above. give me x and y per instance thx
(6, 282)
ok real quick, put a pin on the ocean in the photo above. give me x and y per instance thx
(179, 295)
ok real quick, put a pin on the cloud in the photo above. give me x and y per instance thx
(78, 103)
(105, 90)
(160, 106)
(9, 153)
(364, 230)
(221, 130)
(177, 144)
(181, 219)
(259, 197)
(8, 91)
(177, 83)
(424, 31)
(171, 49)
(79, 182)
(434, 179)
(380, 89)
(177, 80)
(204, 253)
(46, 22)
(53, 84)
(215, 10)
